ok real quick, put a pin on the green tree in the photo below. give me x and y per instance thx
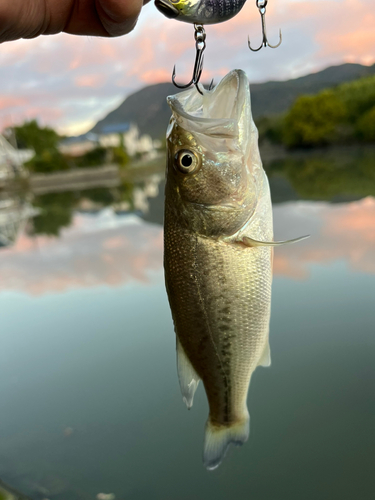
(271, 128)
(93, 158)
(314, 120)
(31, 135)
(49, 160)
(366, 126)
(333, 116)
(358, 96)
(44, 141)
(120, 156)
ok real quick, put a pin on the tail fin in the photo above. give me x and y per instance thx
(218, 438)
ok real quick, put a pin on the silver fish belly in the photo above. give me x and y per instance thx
(218, 266)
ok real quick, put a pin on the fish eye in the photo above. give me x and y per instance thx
(186, 161)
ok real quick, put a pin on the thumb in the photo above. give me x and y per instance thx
(119, 17)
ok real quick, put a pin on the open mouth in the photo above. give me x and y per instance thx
(165, 8)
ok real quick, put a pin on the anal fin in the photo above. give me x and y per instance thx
(187, 376)
(250, 242)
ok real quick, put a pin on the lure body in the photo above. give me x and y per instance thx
(200, 11)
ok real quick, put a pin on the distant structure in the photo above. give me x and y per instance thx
(79, 145)
(12, 160)
(112, 136)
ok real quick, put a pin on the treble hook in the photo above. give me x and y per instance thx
(261, 4)
(200, 45)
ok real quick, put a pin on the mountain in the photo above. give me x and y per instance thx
(272, 98)
(149, 110)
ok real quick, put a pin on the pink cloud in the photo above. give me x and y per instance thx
(7, 102)
(353, 37)
(94, 81)
(45, 114)
(155, 76)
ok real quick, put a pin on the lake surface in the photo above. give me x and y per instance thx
(89, 395)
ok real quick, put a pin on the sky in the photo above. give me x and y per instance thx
(69, 82)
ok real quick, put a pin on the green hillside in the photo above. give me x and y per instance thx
(342, 115)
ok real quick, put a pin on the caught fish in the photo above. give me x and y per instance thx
(218, 254)
(200, 11)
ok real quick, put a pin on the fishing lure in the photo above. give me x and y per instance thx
(201, 12)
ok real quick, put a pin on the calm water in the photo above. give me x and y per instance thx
(89, 395)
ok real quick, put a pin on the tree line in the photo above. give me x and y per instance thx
(343, 115)
(48, 158)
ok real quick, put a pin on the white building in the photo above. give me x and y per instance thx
(112, 136)
(12, 160)
(128, 134)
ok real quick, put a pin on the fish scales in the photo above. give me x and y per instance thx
(218, 267)
(220, 313)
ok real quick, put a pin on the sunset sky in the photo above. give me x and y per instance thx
(70, 82)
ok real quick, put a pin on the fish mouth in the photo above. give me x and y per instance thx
(224, 111)
(167, 9)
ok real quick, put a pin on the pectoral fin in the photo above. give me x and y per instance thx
(187, 376)
(265, 359)
(250, 242)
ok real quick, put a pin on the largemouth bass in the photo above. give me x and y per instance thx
(218, 253)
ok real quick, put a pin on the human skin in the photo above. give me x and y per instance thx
(31, 18)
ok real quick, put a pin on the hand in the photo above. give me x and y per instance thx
(31, 18)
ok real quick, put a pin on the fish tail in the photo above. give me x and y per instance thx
(218, 438)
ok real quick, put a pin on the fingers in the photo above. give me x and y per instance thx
(27, 19)
(119, 17)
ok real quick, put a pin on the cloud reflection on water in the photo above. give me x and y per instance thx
(338, 232)
(96, 250)
(108, 249)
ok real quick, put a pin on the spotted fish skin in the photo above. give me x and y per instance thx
(200, 11)
(219, 288)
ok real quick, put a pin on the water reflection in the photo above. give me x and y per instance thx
(342, 232)
(97, 249)
(341, 174)
(50, 213)
(90, 403)
(56, 209)
(110, 248)
(335, 176)
(15, 211)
